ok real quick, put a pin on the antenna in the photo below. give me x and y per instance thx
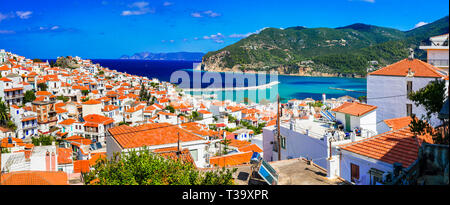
(278, 127)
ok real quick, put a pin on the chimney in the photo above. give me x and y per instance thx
(53, 162)
(411, 54)
(47, 161)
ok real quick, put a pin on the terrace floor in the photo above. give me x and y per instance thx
(291, 172)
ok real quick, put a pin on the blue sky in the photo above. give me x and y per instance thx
(111, 28)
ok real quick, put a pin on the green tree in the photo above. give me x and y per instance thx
(4, 112)
(29, 96)
(37, 60)
(432, 98)
(42, 86)
(146, 168)
(85, 92)
(170, 108)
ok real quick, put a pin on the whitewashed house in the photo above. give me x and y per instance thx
(357, 116)
(388, 88)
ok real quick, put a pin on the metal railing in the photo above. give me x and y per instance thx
(438, 62)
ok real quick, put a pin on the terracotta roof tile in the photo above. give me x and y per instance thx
(354, 108)
(34, 178)
(390, 147)
(400, 68)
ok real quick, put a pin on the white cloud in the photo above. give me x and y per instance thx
(420, 24)
(7, 32)
(196, 15)
(163, 41)
(24, 14)
(141, 6)
(246, 35)
(172, 41)
(166, 3)
(208, 13)
(54, 28)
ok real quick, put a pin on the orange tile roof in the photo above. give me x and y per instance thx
(354, 108)
(238, 143)
(64, 155)
(77, 140)
(34, 178)
(108, 108)
(92, 102)
(43, 93)
(171, 153)
(232, 159)
(252, 147)
(81, 166)
(397, 123)
(99, 119)
(67, 122)
(135, 109)
(400, 68)
(390, 147)
(95, 157)
(150, 134)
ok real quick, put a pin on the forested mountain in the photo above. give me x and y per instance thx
(344, 51)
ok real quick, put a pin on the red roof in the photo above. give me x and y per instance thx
(397, 123)
(34, 178)
(401, 68)
(150, 134)
(390, 147)
(99, 119)
(232, 159)
(81, 166)
(64, 156)
(354, 108)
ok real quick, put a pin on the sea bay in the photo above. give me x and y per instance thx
(290, 87)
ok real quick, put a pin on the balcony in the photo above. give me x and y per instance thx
(438, 62)
(433, 44)
(10, 97)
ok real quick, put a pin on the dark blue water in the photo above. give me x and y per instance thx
(290, 87)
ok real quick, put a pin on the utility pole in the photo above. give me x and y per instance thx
(278, 127)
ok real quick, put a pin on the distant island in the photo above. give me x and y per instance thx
(187, 56)
(349, 51)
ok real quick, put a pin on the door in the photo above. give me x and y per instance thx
(347, 122)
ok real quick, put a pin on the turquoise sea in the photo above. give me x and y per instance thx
(290, 87)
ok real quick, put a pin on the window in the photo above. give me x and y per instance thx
(354, 172)
(283, 142)
(408, 109)
(408, 87)
(194, 154)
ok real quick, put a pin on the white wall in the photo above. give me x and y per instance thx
(364, 163)
(297, 145)
(388, 93)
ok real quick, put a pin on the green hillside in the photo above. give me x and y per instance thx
(341, 51)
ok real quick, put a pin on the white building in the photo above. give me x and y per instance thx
(357, 116)
(388, 88)
(371, 161)
(437, 51)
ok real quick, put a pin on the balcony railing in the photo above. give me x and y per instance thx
(431, 43)
(13, 96)
(438, 62)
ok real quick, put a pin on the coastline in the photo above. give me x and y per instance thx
(284, 74)
(257, 87)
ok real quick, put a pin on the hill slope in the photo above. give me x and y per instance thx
(343, 51)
